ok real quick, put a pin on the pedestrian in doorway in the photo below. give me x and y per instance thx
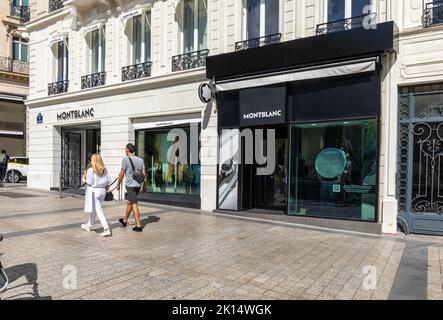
(133, 170)
(97, 179)
(4, 159)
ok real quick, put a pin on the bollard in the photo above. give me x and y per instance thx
(60, 186)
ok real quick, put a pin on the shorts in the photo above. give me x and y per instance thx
(131, 194)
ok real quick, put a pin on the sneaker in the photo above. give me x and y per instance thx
(122, 222)
(86, 227)
(106, 233)
(137, 229)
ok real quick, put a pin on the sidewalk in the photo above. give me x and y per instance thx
(188, 254)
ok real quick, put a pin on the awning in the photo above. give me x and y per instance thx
(11, 97)
(92, 27)
(11, 133)
(126, 16)
(167, 123)
(317, 72)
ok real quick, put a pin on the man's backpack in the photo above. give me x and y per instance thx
(3, 159)
(137, 174)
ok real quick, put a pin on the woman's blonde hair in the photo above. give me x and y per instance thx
(97, 164)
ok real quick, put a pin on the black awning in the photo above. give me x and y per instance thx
(337, 46)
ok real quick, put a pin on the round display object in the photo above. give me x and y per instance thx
(330, 163)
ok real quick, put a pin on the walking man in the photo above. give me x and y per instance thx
(133, 170)
(4, 159)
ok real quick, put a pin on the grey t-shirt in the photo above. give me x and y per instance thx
(127, 168)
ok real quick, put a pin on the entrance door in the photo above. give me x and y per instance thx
(267, 192)
(71, 159)
(420, 185)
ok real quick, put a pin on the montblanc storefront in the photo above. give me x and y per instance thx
(299, 131)
(65, 133)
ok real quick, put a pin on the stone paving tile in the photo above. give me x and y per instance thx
(191, 255)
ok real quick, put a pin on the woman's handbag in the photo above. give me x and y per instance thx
(109, 196)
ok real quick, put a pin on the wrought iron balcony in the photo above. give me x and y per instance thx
(189, 60)
(55, 5)
(258, 42)
(433, 14)
(93, 80)
(364, 21)
(21, 12)
(137, 71)
(58, 87)
(15, 66)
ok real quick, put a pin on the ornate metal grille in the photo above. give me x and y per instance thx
(93, 80)
(364, 21)
(433, 14)
(420, 153)
(58, 87)
(189, 60)
(71, 160)
(55, 5)
(258, 42)
(137, 71)
(16, 66)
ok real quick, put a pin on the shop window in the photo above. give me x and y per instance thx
(164, 176)
(141, 38)
(343, 9)
(195, 16)
(61, 61)
(20, 49)
(98, 50)
(261, 18)
(334, 170)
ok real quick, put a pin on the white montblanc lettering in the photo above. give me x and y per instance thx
(264, 114)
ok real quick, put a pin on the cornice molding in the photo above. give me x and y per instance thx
(134, 86)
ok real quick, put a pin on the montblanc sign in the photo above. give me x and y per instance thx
(75, 115)
(262, 106)
(264, 114)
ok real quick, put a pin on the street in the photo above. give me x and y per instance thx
(188, 254)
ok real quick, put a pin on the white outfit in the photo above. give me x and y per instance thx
(94, 195)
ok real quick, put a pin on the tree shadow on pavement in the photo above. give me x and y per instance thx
(30, 272)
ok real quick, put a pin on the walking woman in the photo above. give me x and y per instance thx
(97, 179)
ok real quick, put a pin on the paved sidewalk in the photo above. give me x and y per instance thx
(187, 254)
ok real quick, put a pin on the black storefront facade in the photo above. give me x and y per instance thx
(299, 128)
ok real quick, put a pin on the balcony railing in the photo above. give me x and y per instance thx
(258, 42)
(55, 5)
(58, 87)
(16, 66)
(136, 71)
(433, 14)
(21, 12)
(189, 60)
(93, 80)
(364, 21)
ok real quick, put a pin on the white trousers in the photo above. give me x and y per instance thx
(97, 196)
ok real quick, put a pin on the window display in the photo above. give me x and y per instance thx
(164, 176)
(334, 170)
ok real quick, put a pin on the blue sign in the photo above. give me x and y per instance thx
(39, 118)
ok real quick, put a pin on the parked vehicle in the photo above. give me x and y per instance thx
(17, 169)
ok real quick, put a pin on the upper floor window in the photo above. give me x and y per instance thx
(141, 38)
(261, 18)
(195, 22)
(20, 49)
(97, 43)
(61, 54)
(20, 3)
(343, 9)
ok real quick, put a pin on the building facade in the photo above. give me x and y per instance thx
(333, 83)
(14, 76)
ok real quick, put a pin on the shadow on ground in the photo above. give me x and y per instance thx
(30, 273)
